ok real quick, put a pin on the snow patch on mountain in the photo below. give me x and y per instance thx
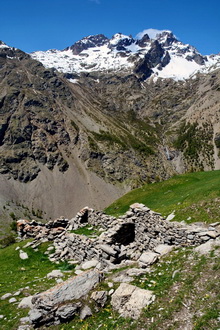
(178, 69)
(3, 45)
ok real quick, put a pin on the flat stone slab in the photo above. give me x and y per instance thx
(129, 300)
(122, 278)
(89, 264)
(210, 233)
(108, 249)
(136, 271)
(163, 249)
(148, 258)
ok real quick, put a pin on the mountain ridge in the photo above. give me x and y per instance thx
(164, 56)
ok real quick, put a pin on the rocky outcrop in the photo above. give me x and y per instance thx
(53, 307)
(88, 42)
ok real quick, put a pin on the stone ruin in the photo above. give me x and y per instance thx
(139, 237)
(125, 238)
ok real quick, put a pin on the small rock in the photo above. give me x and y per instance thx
(23, 255)
(59, 280)
(6, 296)
(148, 258)
(12, 300)
(73, 262)
(111, 292)
(136, 271)
(24, 320)
(99, 297)
(24, 327)
(35, 316)
(138, 206)
(215, 224)
(108, 249)
(1, 317)
(78, 272)
(51, 248)
(205, 248)
(129, 214)
(85, 312)
(55, 273)
(26, 302)
(170, 216)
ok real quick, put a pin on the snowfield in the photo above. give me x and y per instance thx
(122, 53)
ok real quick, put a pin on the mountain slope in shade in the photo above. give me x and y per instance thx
(163, 56)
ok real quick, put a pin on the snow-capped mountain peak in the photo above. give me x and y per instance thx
(152, 53)
(117, 38)
(3, 45)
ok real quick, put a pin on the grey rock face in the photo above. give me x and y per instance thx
(35, 316)
(73, 288)
(67, 312)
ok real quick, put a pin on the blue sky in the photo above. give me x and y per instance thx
(45, 24)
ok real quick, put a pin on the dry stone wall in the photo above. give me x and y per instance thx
(139, 230)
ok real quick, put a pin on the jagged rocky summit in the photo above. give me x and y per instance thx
(161, 56)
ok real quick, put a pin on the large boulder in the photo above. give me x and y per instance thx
(54, 306)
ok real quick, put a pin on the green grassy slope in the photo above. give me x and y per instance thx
(26, 277)
(193, 197)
